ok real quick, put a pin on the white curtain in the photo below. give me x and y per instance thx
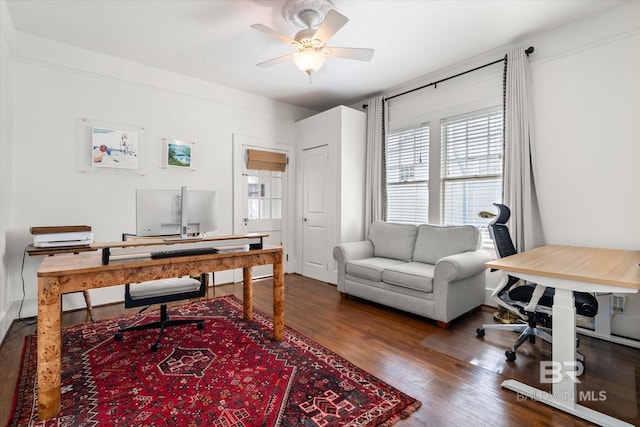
(374, 182)
(519, 183)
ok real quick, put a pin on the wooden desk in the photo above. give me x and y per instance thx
(32, 250)
(569, 269)
(72, 273)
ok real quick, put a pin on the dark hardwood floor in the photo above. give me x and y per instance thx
(447, 370)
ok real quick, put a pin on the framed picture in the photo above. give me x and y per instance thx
(111, 148)
(178, 154)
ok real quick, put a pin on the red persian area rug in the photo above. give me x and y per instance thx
(230, 374)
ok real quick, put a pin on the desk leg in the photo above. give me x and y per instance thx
(563, 350)
(87, 300)
(278, 298)
(49, 347)
(247, 293)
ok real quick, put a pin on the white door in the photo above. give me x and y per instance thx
(315, 163)
(259, 198)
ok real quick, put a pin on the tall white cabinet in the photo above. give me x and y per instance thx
(331, 157)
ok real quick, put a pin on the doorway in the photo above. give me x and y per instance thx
(260, 196)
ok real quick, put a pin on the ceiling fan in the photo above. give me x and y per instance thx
(320, 21)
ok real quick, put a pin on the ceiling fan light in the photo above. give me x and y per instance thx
(309, 61)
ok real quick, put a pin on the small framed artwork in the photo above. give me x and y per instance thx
(112, 148)
(178, 154)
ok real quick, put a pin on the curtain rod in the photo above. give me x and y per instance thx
(529, 51)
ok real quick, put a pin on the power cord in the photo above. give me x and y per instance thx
(24, 294)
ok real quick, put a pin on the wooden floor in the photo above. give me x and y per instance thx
(396, 347)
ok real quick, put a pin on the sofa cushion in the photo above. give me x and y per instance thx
(370, 268)
(393, 240)
(412, 275)
(438, 241)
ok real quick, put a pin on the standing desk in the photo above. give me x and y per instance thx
(72, 273)
(569, 269)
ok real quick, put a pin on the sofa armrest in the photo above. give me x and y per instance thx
(346, 252)
(462, 265)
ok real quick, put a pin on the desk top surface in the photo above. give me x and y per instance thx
(167, 240)
(605, 266)
(91, 261)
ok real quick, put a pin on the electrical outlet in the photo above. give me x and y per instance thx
(617, 302)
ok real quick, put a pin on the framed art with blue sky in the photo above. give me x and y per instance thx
(178, 154)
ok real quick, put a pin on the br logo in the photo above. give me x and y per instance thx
(552, 371)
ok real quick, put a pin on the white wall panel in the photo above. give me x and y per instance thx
(56, 86)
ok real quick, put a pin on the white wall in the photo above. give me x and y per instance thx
(6, 126)
(56, 86)
(587, 110)
(586, 90)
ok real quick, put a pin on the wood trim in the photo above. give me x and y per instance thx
(60, 229)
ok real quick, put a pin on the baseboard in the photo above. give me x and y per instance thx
(487, 298)
(626, 325)
(8, 316)
(4, 324)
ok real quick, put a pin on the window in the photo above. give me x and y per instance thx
(407, 175)
(264, 194)
(471, 171)
(469, 179)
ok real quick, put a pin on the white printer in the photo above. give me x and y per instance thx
(60, 236)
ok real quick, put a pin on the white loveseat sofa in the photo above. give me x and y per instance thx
(433, 271)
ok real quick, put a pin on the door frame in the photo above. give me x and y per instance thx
(288, 192)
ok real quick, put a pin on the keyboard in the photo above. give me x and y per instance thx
(183, 252)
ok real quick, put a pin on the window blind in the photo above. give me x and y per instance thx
(471, 170)
(407, 175)
(266, 160)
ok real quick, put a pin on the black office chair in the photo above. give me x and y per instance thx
(145, 294)
(531, 303)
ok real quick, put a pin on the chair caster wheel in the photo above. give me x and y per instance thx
(511, 355)
(118, 336)
(480, 332)
(156, 347)
(201, 325)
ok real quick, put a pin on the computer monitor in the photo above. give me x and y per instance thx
(181, 212)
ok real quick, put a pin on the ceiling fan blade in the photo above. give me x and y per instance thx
(356, 53)
(273, 33)
(274, 61)
(332, 22)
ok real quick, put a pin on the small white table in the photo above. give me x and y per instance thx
(569, 269)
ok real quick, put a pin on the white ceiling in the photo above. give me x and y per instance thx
(211, 39)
